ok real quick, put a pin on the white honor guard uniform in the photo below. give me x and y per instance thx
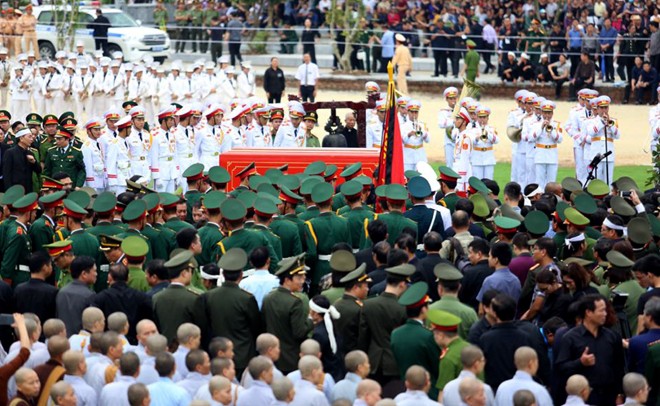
(414, 135)
(654, 123)
(530, 145)
(446, 124)
(138, 88)
(162, 156)
(547, 137)
(228, 86)
(185, 142)
(53, 88)
(94, 158)
(20, 87)
(292, 135)
(101, 98)
(463, 151)
(68, 89)
(259, 135)
(187, 88)
(371, 87)
(38, 87)
(245, 81)
(527, 119)
(600, 133)
(118, 163)
(107, 134)
(213, 142)
(577, 127)
(115, 85)
(139, 144)
(236, 134)
(514, 121)
(163, 90)
(5, 75)
(483, 156)
(375, 130)
(83, 87)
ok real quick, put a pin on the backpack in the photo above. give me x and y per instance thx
(457, 254)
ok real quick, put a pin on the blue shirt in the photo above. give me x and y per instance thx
(346, 388)
(575, 38)
(85, 393)
(414, 398)
(116, 393)
(387, 42)
(308, 395)
(608, 37)
(328, 381)
(522, 380)
(503, 281)
(260, 283)
(193, 381)
(166, 393)
(258, 394)
(451, 397)
(638, 347)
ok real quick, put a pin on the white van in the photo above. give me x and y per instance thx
(125, 34)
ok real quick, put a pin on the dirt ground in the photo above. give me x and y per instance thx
(632, 149)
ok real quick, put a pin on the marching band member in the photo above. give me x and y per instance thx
(514, 125)
(186, 88)
(5, 75)
(531, 145)
(138, 88)
(67, 87)
(115, 85)
(375, 130)
(575, 123)
(292, 135)
(20, 87)
(446, 123)
(82, 90)
(163, 90)
(93, 157)
(185, 141)
(162, 155)
(600, 133)
(547, 134)
(483, 156)
(654, 123)
(38, 86)
(53, 88)
(523, 146)
(463, 150)
(414, 134)
(371, 87)
(139, 144)
(118, 159)
(246, 86)
(101, 98)
(228, 86)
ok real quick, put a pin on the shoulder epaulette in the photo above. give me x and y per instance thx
(75, 148)
(52, 148)
(193, 291)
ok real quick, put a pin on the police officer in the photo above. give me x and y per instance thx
(135, 249)
(445, 332)
(341, 263)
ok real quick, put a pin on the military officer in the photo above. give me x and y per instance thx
(42, 231)
(62, 255)
(375, 129)
(218, 178)
(194, 175)
(47, 139)
(290, 200)
(414, 134)
(412, 343)
(83, 242)
(396, 196)
(547, 134)
(161, 240)
(185, 140)
(342, 262)
(104, 208)
(139, 143)
(235, 132)
(356, 288)
(288, 228)
(449, 282)
(292, 135)
(375, 330)
(94, 157)
(233, 216)
(463, 150)
(135, 249)
(620, 283)
(483, 156)
(162, 155)
(169, 202)
(448, 180)
(134, 215)
(178, 303)
(212, 142)
(323, 232)
(357, 214)
(264, 210)
(445, 333)
(64, 157)
(599, 134)
(446, 122)
(118, 163)
(17, 245)
(210, 233)
(283, 312)
(233, 312)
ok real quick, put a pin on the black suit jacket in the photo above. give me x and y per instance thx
(473, 278)
(424, 272)
(16, 169)
(423, 216)
(119, 297)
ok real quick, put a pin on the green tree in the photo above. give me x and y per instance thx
(345, 18)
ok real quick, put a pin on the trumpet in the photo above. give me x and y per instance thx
(484, 135)
(608, 121)
(549, 128)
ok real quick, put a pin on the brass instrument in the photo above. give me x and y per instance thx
(611, 122)
(484, 135)
(6, 77)
(85, 92)
(469, 89)
(548, 128)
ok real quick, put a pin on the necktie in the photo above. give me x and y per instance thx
(140, 135)
(186, 133)
(213, 130)
(49, 79)
(138, 87)
(295, 133)
(189, 86)
(306, 75)
(114, 134)
(167, 135)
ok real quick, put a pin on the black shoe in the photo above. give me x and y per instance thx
(625, 101)
(638, 102)
(435, 76)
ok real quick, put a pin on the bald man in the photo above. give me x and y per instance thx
(368, 393)
(577, 388)
(527, 364)
(418, 382)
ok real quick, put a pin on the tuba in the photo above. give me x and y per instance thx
(470, 89)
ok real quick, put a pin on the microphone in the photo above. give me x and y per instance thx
(605, 155)
(596, 161)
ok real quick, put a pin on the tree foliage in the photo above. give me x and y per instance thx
(345, 19)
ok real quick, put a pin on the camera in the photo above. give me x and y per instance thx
(624, 194)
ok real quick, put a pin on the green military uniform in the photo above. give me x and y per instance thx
(246, 239)
(534, 51)
(135, 249)
(233, 312)
(471, 61)
(289, 233)
(396, 222)
(450, 360)
(412, 343)
(322, 233)
(375, 330)
(350, 308)
(450, 303)
(210, 234)
(341, 263)
(68, 160)
(42, 231)
(62, 276)
(176, 225)
(176, 304)
(45, 143)
(161, 18)
(357, 216)
(17, 245)
(631, 288)
(104, 227)
(284, 315)
(82, 242)
(193, 173)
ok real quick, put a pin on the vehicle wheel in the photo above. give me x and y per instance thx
(112, 48)
(46, 50)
